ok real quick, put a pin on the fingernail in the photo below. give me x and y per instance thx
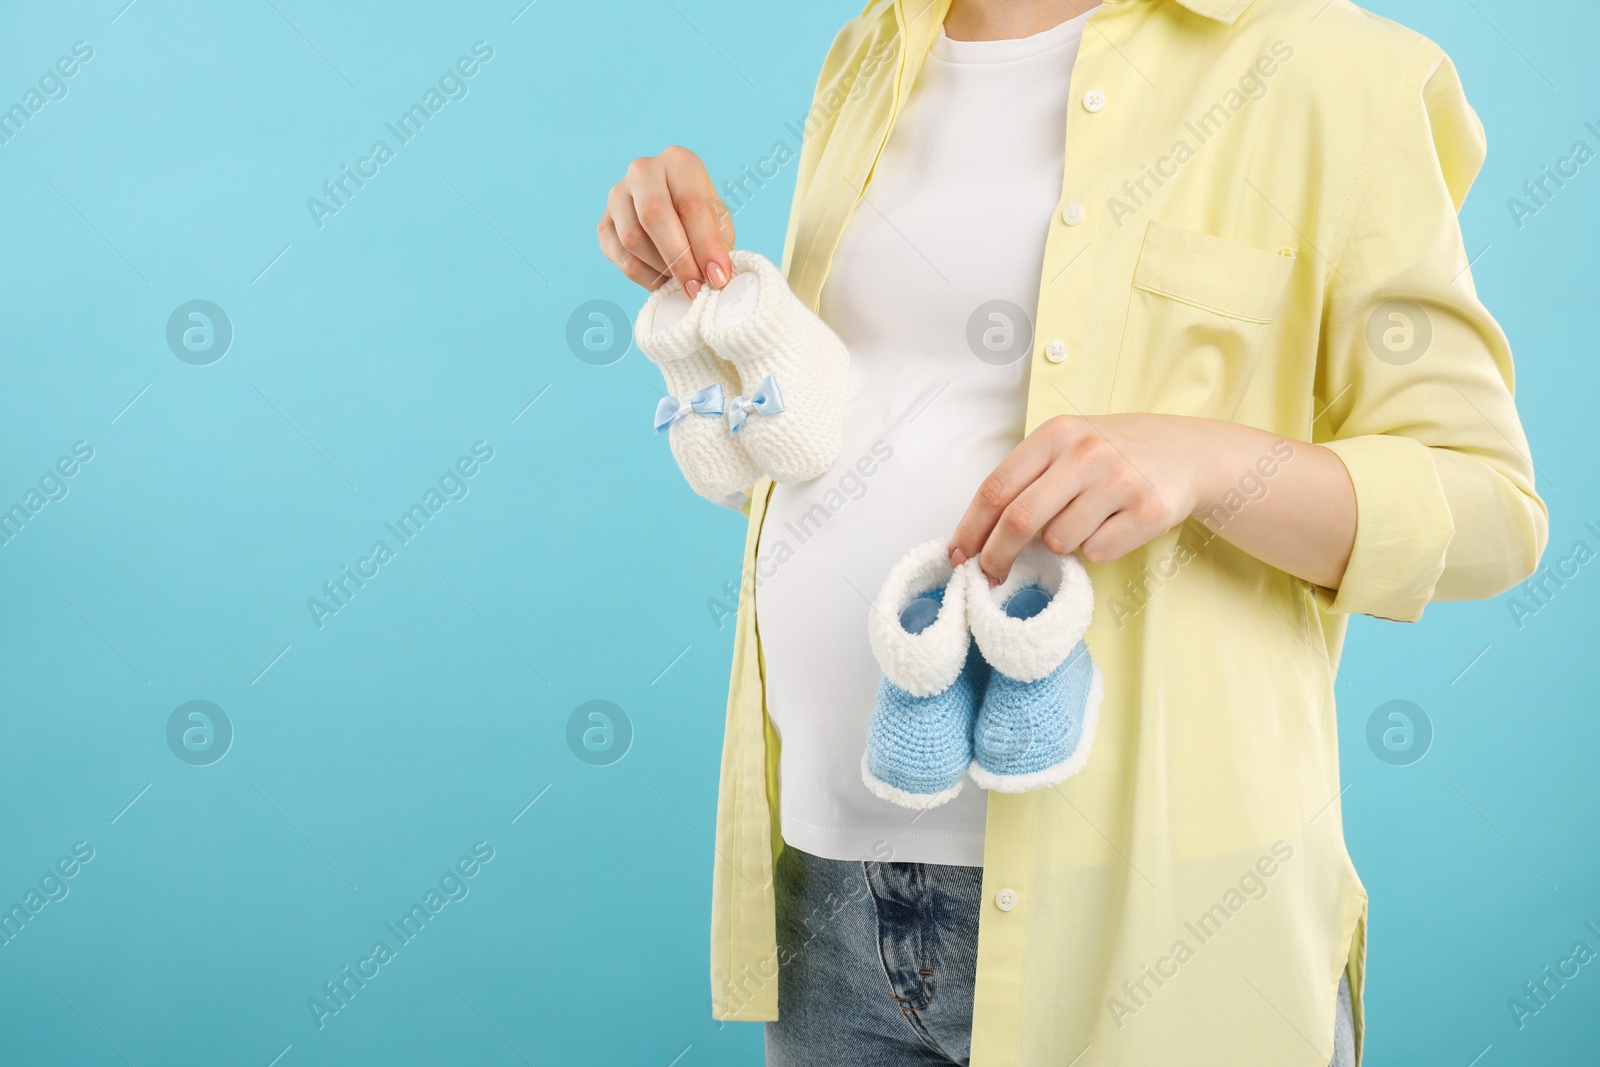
(957, 557)
(692, 288)
(716, 275)
(993, 581)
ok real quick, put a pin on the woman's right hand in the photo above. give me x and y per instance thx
(664, 219)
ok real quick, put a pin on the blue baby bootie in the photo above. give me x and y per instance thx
(919, 743)
(1042, 700)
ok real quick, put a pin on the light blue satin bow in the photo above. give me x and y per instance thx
(765, 400)
(707, 401)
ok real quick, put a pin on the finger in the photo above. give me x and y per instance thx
(700, 212)
(1039, 502)
(1120, 534)
(1111, 488)
(652, 203)
(630, 231)
(635, 269)
(724, 223)
(1020, 467)
(1073, 524)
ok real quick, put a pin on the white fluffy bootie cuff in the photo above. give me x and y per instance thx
(924, 663)
(1028, 649)
(789, 408)
(699, 386)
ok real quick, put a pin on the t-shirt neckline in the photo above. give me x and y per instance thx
(1009, 51)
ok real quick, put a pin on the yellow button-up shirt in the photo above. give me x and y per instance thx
(1257, 223)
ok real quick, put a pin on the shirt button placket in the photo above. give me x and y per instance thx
(1074, 213)
(1066, 308)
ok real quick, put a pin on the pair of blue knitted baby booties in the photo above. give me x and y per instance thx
(994, 684)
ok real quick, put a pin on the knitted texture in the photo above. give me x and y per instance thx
(1032, 735)
(714, 464)
(784, 339)
(1042, 701)
(919, 742)
(919, 749)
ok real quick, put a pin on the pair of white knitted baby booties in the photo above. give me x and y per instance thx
(755, 380)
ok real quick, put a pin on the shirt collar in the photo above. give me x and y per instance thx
(1224, 11)
(919, 22)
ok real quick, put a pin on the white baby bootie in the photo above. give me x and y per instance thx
(789, 411)
(699, 386)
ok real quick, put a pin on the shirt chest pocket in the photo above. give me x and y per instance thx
(1201, 312)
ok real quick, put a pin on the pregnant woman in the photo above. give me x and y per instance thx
(1177, 285)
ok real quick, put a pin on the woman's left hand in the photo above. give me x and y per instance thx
(1106, 487)
(1103, 488)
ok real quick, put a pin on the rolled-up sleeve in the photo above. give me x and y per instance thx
(1415, 376)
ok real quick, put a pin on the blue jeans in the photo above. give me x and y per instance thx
(877, 964)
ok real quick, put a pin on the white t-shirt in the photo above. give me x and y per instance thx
(939, 264)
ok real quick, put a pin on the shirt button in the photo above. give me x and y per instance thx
(1055, 351)
(1072, 214)
(1006, 899)
(1094, 100)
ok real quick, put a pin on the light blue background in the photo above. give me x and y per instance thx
(427, 714)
